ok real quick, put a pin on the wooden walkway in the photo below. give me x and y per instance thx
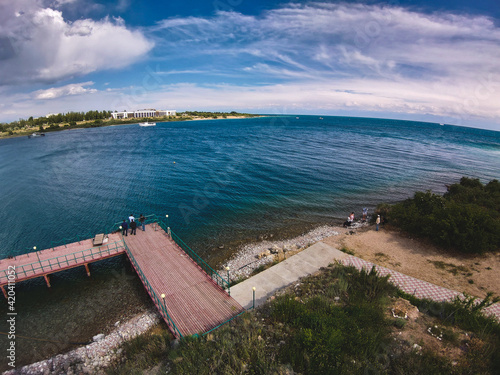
(48, 261)
(194, 302)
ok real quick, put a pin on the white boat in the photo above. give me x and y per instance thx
(147, 123)
(36, 134)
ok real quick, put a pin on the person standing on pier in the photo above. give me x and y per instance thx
(141, 220)
(133, 226)
(131, 218)
(124, 228)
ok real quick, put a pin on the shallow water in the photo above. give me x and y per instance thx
(222, 183)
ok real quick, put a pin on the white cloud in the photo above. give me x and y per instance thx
(57, 92)
(43, 47)
(396, 59)
(320, 57)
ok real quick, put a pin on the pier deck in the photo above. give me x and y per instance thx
(193, 300)
(49, 261)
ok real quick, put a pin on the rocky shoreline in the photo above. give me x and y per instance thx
(95, 357)
(254, 255)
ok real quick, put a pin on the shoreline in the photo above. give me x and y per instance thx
(99, 354)
(105, 348)
(127, 123)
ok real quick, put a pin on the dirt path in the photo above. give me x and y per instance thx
(475, 275)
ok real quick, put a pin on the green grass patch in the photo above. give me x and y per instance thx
(335, 322)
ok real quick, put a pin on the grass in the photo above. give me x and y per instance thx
(451, 267)
(335, 322)
(346, 250)
(263, 267)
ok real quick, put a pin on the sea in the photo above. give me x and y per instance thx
(222, 183)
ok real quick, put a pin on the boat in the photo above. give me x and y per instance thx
(147, 123)
(321, 118)
(36, 134)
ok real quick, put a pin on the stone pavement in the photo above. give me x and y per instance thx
(419, 288)
(320, 255)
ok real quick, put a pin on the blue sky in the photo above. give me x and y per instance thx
(433, 61)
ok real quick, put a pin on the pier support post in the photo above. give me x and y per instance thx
(46, 277)
(87, 268)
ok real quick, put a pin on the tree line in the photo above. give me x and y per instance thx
(466, 218)
(70, 117)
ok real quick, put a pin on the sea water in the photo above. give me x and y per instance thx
(221, 183)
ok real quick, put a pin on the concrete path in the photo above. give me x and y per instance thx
(285, 273)
(320, 255)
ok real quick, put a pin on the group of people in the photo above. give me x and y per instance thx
(132, 224)
(350, 219)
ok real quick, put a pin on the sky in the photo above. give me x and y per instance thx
(428, 60)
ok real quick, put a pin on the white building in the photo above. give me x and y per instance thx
(143, 113)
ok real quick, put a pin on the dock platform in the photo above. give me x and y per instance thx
(190, 296)
(42, 263)
(194, 301)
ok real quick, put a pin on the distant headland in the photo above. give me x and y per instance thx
(94, 119)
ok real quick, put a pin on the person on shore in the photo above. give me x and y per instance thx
(142, 219)
(124, 228)
(133, 226)
(131, 218)
(349, 221)
(365, 214)
(377, 223)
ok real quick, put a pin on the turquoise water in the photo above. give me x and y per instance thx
(222, 182)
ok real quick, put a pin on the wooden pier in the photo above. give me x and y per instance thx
(193, 300)
(187, 292)
(48, 261)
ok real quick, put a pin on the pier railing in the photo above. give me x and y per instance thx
(149, 219)
(69, 260)
(159, 303)
(153, 219)
(223, 283)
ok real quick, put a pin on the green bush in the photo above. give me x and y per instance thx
(466, 218)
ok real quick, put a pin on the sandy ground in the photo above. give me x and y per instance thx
(474, 275)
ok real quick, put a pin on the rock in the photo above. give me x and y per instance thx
(175, 344)
(275, 249)
(98, 337)
(404, 309)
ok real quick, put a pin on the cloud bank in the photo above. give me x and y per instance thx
(375, 58)
(313, 58)
(37, 45)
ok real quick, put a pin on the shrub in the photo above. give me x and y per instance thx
(466, 218)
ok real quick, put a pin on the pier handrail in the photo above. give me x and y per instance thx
(198, 260)
(65, 241)
(45, 265)
(161, 306)
(153, 218)
(149, 219)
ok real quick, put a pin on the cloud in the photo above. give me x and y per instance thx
(57, 92)
(396, 59)
(310, 58)
(38, 45)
